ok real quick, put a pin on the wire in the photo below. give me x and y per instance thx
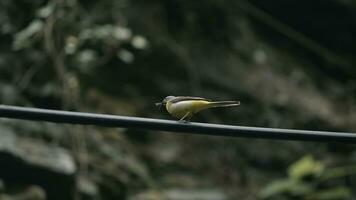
(70, 117)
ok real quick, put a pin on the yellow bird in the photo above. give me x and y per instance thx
(184, 107)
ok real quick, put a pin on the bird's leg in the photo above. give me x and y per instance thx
(185, 116)
(190, 117)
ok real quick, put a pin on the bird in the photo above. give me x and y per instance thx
(184, 107)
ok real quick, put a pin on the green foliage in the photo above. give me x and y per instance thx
(121, 56)
(306, 166)
(60, 42)
(25, 37)
(338, 192)
(285, 186)
(307, 180)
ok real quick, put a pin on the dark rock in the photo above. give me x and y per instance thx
(28, 161)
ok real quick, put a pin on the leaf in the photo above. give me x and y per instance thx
(23, 38)
(126, 56)
(86, 58)
(276, 187)
(122, 33)
(139, 42)
(103, 32)
(304, 167)
(46, 11)
(338, 172)
(71, 45)
(289, 186)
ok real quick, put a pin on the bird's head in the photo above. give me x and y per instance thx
(164, 101)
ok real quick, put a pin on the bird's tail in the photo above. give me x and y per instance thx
(223, 104)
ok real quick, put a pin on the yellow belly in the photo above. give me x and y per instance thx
(180, 109)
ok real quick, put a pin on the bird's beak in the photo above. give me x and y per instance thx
(159, 104)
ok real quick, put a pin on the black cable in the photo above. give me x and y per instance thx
(58, 116)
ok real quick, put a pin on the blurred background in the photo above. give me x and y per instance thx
(290, 63)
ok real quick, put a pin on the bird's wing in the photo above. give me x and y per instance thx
(187, 98)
